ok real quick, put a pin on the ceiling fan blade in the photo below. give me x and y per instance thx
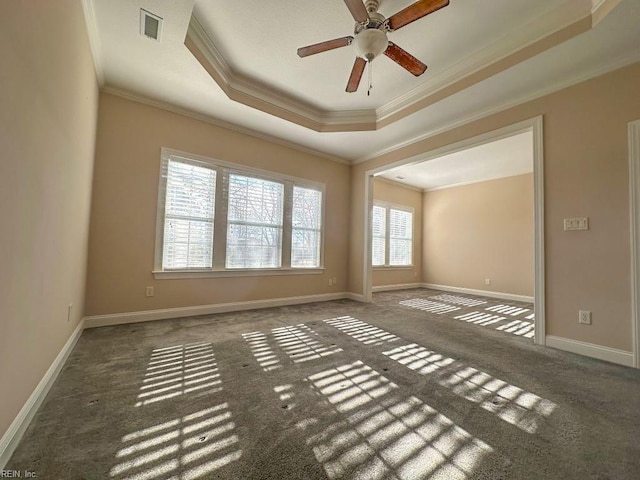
(358, 10)
(405, 60)
(356, 75)
(324, 46)
(414, 12)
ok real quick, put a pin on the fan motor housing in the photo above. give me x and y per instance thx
(376, 20)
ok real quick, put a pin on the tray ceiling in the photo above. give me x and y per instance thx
(259, 40)
(480, 60)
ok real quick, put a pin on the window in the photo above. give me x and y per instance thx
(306, 227)
(254, 228)
(379, 235)
(400, 237)
(189, 215)
(215, 218)
(391, 236)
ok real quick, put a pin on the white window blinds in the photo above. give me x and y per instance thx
(306, 227)
(215, 218)
(189, 216)
(391, 236)
(254, 224)
(378, 230)
(400, 237)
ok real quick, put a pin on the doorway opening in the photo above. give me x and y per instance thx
(444, 167)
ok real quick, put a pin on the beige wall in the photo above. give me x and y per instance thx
(125, 197)
(393, 192)
(479, 231)
(49, 101)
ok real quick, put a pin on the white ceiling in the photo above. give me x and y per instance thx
(258, 41)
(502, 158)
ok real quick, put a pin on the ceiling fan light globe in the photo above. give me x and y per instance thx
(370, 43)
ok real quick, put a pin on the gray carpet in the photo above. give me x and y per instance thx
(413, 386)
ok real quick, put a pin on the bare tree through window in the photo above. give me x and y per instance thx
(254, 233)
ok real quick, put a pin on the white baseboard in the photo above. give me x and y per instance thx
(398, 286)
(482, 293)
(608, 354)
(12, 436)
(167, 313)
(356, 297)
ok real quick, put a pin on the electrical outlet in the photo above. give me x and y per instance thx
(584, 317)
(334, 280)
(330, 281)
(149, 291)
(69, 312)
(487, 281)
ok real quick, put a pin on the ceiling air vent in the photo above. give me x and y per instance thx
(150, 25)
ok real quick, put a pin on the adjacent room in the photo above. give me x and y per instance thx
(334, 240)
(469, 218)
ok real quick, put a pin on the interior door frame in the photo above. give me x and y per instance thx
(634, 210)
(534, 125)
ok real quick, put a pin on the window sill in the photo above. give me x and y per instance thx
(394, 267)
(240, 272)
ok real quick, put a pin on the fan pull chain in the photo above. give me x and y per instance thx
(369, 66)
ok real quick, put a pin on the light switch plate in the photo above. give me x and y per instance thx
(576, 223)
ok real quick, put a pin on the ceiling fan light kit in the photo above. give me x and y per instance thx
(370, 43)
(371, 40)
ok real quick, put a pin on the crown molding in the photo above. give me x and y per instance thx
(515, 46)
(256, 95)
(567, 20)
(219, 123)
(233, 84)
(473, 182)
(94, 39)
(616, 64)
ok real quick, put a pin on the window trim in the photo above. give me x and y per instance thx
(387, 237)
(220, 220)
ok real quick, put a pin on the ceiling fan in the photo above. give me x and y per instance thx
(370, 37)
